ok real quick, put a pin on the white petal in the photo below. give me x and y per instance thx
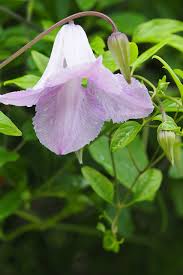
(71, 48)
(76, 47)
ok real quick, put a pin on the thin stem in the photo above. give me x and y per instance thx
(71, 228)
(173, 99)
(157, 160)
(145, 136)
(172, 73)
(28, 216)
(132, 159)
(115, 176)
(58, 24)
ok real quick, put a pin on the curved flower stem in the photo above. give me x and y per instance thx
(172, 73)
(58, 24)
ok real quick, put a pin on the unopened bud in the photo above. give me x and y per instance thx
(118, 44)
(166, 140)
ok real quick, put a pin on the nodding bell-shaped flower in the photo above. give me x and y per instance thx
(118, 45)
(166, 140)
(77, 94)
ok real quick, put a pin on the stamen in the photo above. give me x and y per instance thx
(84, 82)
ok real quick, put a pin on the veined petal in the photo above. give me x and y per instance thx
(121, 101)
(21, 98)
(71, 48)
(30, 97)
(68, 118)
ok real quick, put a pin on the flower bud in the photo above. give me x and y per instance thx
(166, 140)
(118, 45)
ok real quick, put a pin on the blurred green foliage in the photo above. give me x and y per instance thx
(53, 216)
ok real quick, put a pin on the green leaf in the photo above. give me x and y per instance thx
(85, 4)
(133, 52)
(24, 82)
(179, 72)
(109, 62)
(127, 21)
(171, 106)
(147, 185)
(7, 156)
(156, 28)
(147, 54)
(125, 169)
(125, 134)
(40, 60)
(100, 184)
(176, 41)
(97, 45)
(110, 242)
(7, 127)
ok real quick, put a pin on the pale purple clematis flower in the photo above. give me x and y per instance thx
(70, 115)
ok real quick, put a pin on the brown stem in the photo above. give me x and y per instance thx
(58, 24)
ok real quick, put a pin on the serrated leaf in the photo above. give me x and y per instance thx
(40, 60)
(7, 127)
(24, 82)
(147, 185)
(99, 183)
(125, 134)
